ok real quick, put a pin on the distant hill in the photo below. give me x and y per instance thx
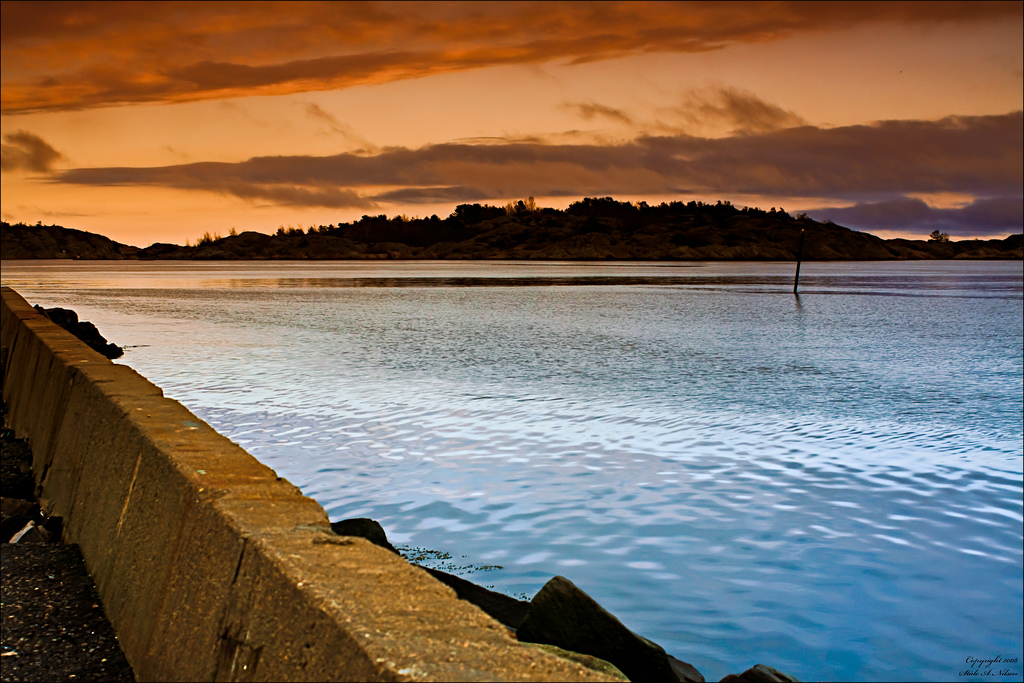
(588, 230)
(20, 241)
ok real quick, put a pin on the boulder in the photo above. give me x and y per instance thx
(84, 330)
(369, 529)
(31, 533)
(760, 673)
(502, 608)
(14, 515)
(563, 615)
(31, 520)
(593, 663)
(685, 672)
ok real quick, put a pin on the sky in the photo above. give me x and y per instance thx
(156, 122)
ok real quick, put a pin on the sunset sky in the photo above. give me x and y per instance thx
(154, 122)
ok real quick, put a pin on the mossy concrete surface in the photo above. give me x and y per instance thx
(209, 565)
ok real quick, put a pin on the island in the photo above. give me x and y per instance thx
(592, 229)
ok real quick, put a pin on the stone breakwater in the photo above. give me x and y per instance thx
(212, 567)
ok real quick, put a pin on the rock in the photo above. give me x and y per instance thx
(369, 529)
(502, 608)
(593, 663)
(10, 507)
(54, 527)
(85, 331)
(30, 520)
(31, 533)
(760, 673)
(14, 515)
(684, 671)
(563, 615)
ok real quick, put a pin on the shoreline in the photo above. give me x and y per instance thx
(605, 230)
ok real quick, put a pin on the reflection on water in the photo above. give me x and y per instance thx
(829, 483)
(887, 286)
(906, 278)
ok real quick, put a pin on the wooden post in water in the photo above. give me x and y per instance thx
(799, 256)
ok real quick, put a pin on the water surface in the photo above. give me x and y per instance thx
(830, 483)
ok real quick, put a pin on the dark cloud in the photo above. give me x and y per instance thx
(590, 110)
(323, 71)
(980, 156)
(285, 195)
(273, 180)
(975, 154)
(990, 217)
(432, 195)
(740, 110)
(27, 152)
(67, 55)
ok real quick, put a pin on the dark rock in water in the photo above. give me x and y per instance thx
(687, 673)
(502, 608)
(369, 529)
(563, 615)
(760, 673)
(85, 331)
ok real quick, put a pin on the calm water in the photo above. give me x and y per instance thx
(830, 484)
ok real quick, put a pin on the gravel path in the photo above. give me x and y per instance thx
(54, 628)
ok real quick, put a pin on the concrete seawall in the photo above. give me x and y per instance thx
(209, 565)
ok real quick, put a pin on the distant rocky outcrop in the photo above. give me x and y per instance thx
(588, 230)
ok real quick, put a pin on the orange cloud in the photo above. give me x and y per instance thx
(69, 55)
